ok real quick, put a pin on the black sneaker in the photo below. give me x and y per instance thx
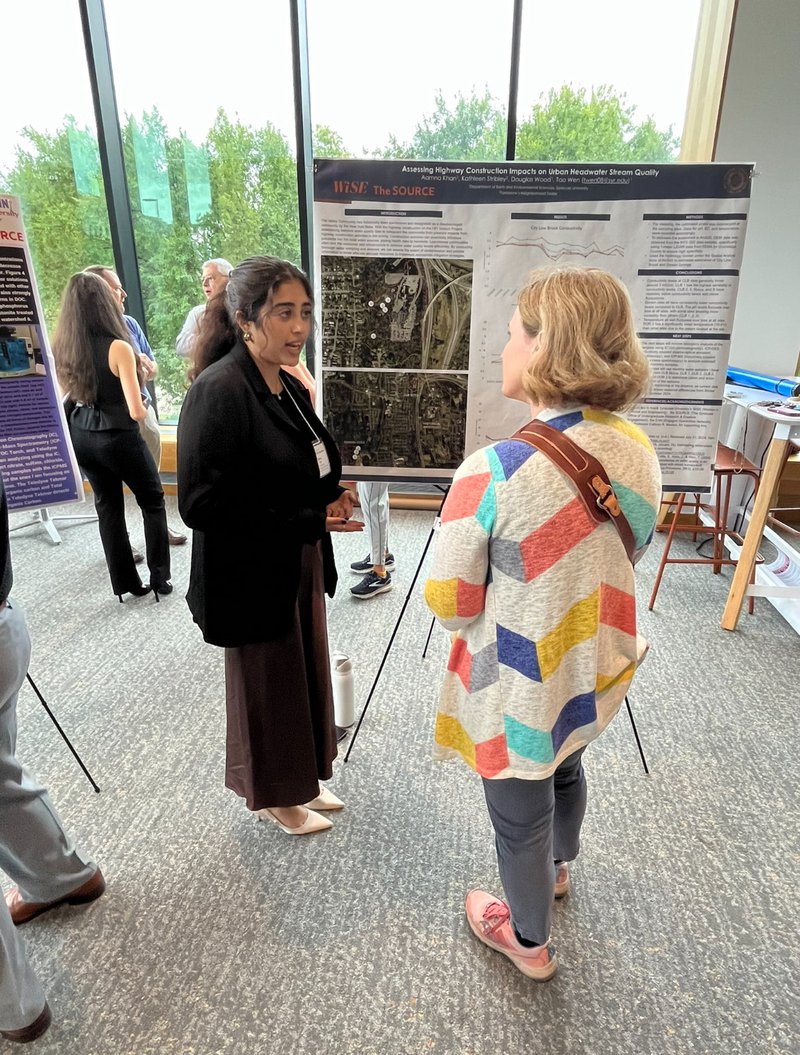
(361, 567)
(371, 585)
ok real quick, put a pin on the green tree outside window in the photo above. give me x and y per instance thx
(235, 194)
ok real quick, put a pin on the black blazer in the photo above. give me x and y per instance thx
(249, 487)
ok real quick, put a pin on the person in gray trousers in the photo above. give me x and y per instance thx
(378, 565)
(35, 851)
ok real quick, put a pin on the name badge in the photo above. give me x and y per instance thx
(323, 462)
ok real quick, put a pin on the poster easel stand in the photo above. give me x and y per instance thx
(42, 516)
(64, 736)
(636, 735)
(428, 638)
(397, 624)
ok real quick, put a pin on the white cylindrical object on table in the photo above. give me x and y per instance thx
(344, 707)
(785, 569)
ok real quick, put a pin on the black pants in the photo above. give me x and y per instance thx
(111, 458)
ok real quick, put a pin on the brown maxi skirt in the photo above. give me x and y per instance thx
(281, 738)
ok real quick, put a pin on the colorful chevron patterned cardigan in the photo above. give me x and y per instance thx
(541, 597)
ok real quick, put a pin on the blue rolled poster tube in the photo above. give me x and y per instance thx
(788, 387)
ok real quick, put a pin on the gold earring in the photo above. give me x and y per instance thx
(246, 336)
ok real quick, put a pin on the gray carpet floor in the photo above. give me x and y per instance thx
(219, 935)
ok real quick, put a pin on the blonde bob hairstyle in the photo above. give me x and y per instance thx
(588, 351)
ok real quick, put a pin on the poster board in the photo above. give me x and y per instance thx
(418, 266)
(36, 457)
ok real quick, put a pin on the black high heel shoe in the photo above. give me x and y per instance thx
(161, 588)
(135, 591)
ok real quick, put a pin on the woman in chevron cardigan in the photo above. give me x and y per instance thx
(541, 597)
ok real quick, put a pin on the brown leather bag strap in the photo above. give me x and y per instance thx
(586, 472)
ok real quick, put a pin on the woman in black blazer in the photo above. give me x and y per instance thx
(258, 482)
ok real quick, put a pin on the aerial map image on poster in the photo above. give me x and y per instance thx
(395, 355)
(396, 419)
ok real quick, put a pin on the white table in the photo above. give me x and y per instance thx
(786, 431)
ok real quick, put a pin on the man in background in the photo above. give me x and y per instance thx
(214, 280)
(151, 433)
(35, 851)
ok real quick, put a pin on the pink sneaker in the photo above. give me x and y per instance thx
(562, 880)
(489, 919)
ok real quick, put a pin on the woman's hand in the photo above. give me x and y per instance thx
(342, 524)
(342, 508)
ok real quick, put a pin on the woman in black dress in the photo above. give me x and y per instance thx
(98, 368)
(258, 482)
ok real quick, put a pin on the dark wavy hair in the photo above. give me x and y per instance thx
(251, 286)
(89, 312)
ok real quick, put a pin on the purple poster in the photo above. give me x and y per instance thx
(36, 457)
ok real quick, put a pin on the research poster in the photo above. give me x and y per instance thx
(36, 457)
(418, 265)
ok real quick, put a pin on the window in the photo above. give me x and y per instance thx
(48, 149)
(207, 113)
(422, 80)
(604, 82)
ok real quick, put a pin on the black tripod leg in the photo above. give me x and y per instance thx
(64, 736)
(389, 646)
(428, 638)
(636, 734)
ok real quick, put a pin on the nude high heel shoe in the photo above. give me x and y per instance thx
(312, 823)
(326, 800)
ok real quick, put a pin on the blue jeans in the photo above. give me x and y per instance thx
(536, 822)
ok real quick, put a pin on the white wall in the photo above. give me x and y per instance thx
(760, 122)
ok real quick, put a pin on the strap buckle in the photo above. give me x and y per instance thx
(606, 497)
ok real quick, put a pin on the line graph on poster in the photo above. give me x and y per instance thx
(559, 251)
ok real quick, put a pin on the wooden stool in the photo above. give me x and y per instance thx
(727, 465)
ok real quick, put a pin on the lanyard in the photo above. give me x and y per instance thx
(320, 453)
(287, 390)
